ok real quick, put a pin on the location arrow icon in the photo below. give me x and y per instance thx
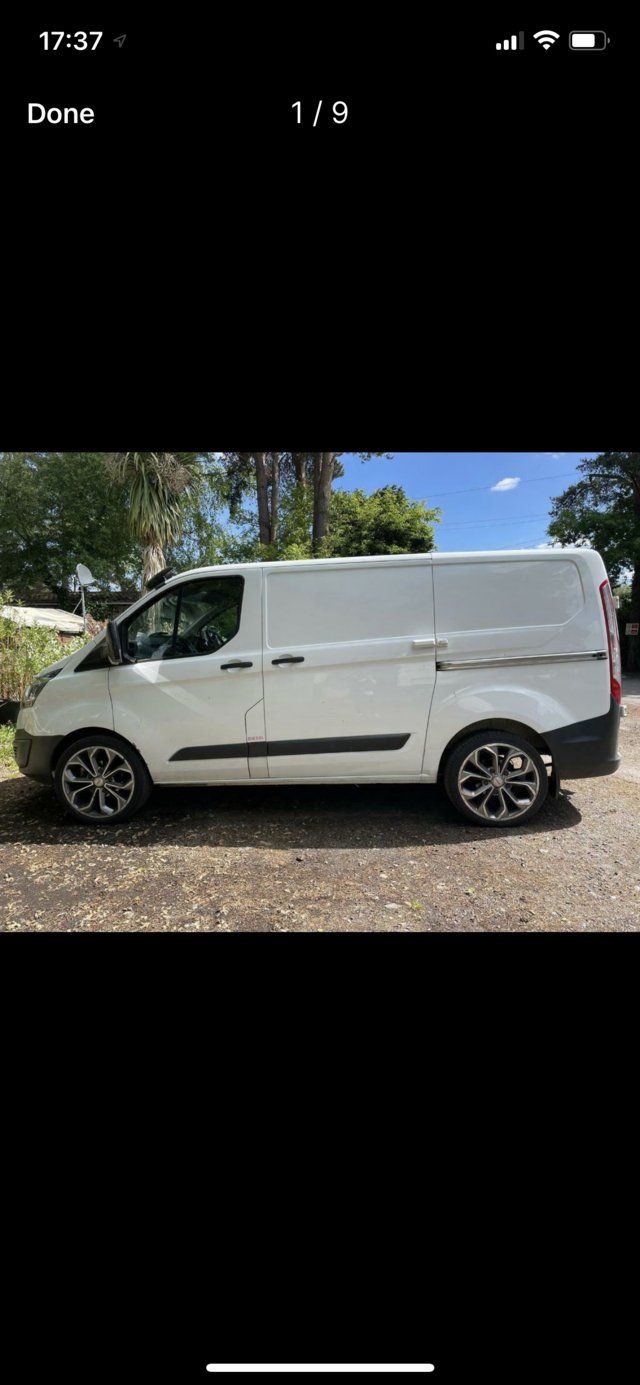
(120, 40)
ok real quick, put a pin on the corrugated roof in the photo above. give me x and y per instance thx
(46, 616)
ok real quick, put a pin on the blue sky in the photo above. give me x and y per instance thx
(514, 516)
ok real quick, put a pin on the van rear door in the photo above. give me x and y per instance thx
(349, 669)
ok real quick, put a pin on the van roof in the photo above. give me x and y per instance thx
(481, 555)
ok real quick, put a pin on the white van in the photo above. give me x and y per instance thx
(497, 674)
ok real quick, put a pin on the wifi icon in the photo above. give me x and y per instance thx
(546, 37)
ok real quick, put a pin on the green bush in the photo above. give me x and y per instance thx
(624, 615)
(25, 650)
(7, 761)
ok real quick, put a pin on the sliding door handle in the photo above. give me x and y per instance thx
(424, 644)
(289, 659)
(237, 665)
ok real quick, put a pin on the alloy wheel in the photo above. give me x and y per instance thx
(98, 781)
(498, 782)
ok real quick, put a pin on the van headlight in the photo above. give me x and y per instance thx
(35, 688)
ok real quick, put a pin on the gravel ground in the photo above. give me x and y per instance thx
(381, 858)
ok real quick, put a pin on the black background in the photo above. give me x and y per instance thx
(461, 248)
(319, 1148)
(301, 1148)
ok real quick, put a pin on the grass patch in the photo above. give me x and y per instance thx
(7, 761)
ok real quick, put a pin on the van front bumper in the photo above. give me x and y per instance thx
(586, 749)
(33, 755)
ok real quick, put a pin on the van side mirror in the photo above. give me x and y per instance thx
(114, 651)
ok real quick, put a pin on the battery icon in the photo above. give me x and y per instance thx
(588, 40)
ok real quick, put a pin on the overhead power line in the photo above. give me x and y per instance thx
(480, 523)
(527, 481)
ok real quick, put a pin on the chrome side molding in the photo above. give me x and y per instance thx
(503, 660)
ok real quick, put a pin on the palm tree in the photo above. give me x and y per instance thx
(158, 483)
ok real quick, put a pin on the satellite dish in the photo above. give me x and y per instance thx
(84, 576)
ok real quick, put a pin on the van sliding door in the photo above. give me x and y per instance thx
(349, 669)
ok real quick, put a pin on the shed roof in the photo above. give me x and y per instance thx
(49, 617)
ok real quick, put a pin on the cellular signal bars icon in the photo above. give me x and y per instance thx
(511, 43)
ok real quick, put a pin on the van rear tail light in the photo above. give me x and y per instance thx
(611, 621)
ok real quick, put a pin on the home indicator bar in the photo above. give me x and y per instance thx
(387, 1370)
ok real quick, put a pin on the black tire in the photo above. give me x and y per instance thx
(524, 796)
(130, 785)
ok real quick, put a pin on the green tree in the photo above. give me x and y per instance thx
(327, 467)
(271, 477)
(58, 509)
(202, 536)
(385, 522)
(283, 482)
(603, 510)
(157, 485)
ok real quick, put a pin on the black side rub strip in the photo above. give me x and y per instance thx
(328, 745)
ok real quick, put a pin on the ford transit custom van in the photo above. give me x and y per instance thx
(496, 674)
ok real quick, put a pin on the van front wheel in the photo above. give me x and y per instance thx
(496, 779)
(100, 778)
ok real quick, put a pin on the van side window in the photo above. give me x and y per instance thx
(198, 618)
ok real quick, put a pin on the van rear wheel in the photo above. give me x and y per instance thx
(496, 779)
(101, 779)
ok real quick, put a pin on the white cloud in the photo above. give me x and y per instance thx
(508, 483)
(555, 454)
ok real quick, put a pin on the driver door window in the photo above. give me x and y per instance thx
(187, 621)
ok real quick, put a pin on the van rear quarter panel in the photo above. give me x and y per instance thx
(517, 608)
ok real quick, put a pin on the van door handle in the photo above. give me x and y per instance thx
(424, 644)
(238, 665)
(289, 659)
